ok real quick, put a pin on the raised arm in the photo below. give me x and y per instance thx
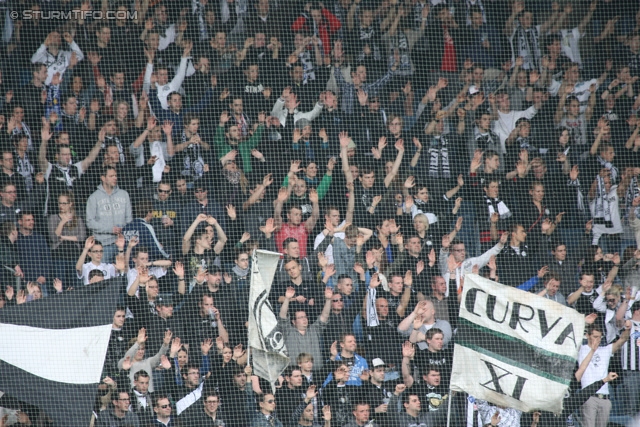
(623, 337)
(284, 308)
(88, 244)
(592, 103)
(396, 164)
(582, 27)
(45, 136)
(585, 363)
(518, 6)
(151, 123)
(93, 154)
(326, 310)
(406, 295)
(186, 239)
(344, 143)
(222, 236)
(351, 205)
(283, 195)
(315, 213)
(574, 296)
(408, 352)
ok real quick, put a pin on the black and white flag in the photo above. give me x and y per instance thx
(266, 341)
(513, 348)
(52, 350)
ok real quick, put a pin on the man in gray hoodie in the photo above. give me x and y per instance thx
(108, 211)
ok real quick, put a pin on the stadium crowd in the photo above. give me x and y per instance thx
(386, 148)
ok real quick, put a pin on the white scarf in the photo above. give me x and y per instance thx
(372, 313)
(158, 166)
(439, 158)
(633, 192)
(612, 169)
(580, 196)
(602, 210)
(496, 205)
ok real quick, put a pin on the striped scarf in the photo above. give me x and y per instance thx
(633, 192)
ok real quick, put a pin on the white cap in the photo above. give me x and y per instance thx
(377, 362)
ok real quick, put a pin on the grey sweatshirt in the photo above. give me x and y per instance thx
(106, 211)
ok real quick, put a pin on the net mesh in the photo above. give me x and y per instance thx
(395, 153)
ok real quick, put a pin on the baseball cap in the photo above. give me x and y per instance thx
(165, 301)
(473, 89)
(377, 362)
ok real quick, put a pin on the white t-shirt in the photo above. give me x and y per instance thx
(506, 123)
(598, 367)
(108, 270)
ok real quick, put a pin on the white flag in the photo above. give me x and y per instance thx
(266, 341)
(514, 348)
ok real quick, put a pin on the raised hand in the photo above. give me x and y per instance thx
(408, 350)
(290, 293)
(311, 392)
(344, 139)
(205, 346)
(326, 413)
(167, 337)
(446, 241)
(176, 345)
(178, 269)
(231, 211)
(410, 182)
(375, 281)
(127, 363)
(142, 336)
(164, 362)
(57, 284)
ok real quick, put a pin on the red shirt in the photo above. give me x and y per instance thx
(298, 232)
(449, 60)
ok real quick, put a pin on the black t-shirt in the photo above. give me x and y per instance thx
(364, 199)
(307, 289)
(431, 398)
(394, 301)
(443, 359)
(195, 261)
(584, 305)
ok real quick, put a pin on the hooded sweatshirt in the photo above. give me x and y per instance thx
(106, 211)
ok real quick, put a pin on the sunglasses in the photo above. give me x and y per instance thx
(269, 401)
(164, 406)
(164, 191)
(611, 300)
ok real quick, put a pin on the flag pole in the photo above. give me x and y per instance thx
(449, 410)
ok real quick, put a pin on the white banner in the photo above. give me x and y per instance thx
(266, 341)
(514, 348)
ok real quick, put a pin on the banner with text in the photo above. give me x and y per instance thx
(514, 348)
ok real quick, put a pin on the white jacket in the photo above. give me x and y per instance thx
(467, 265)
(173, 86)
(58, 63)
(280, 112)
